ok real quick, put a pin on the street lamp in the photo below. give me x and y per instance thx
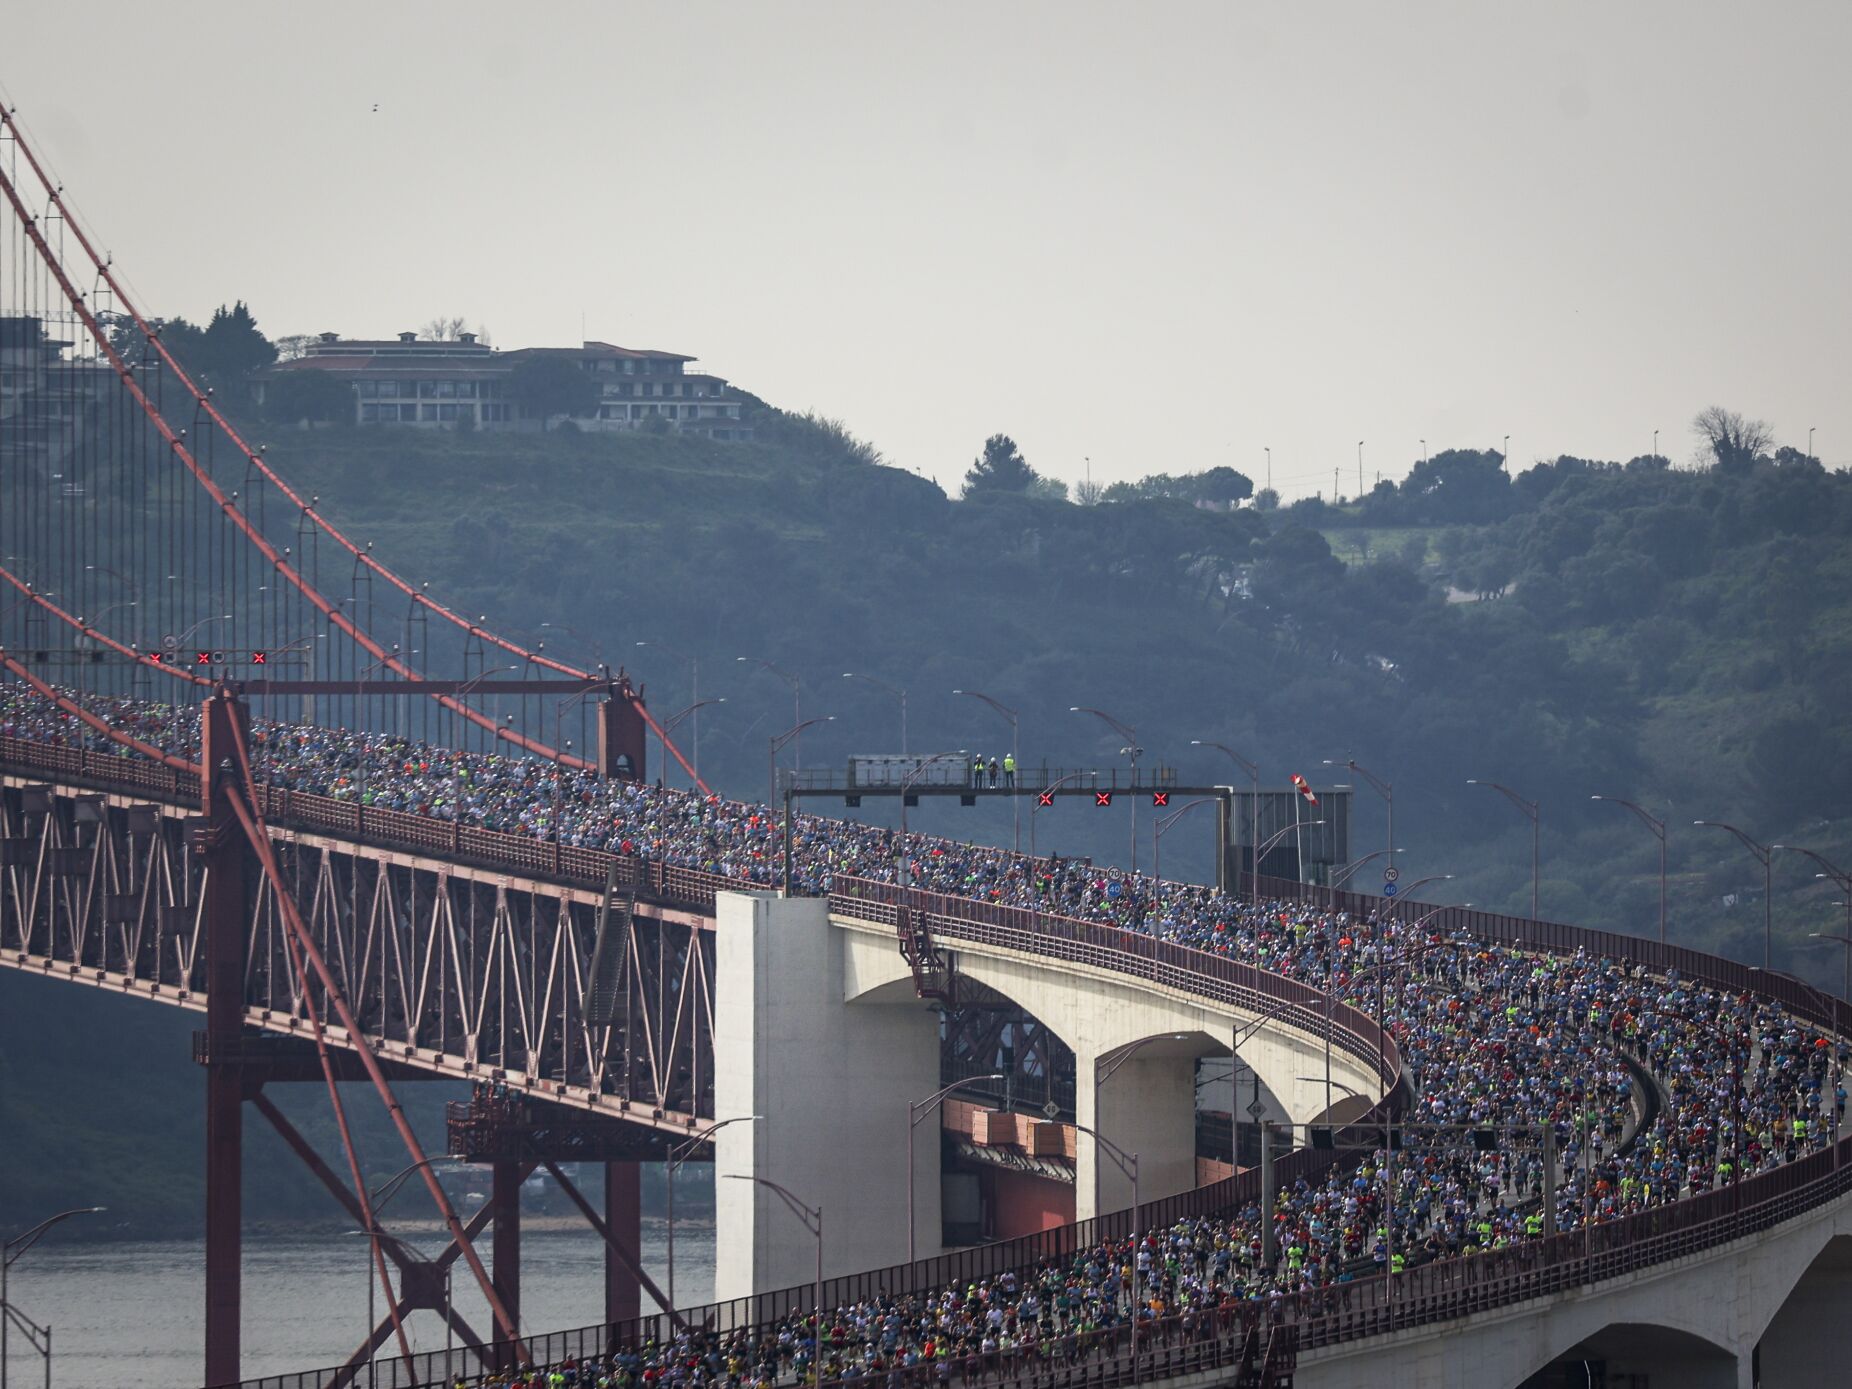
(797, 713)
(678, 1155)
(771, 761)
(905, 866)
(1253, 771)
(777, 742)
(1274, 838)
(1036, 809)
(1765, 856)
(694, 697)
(1130, 750)
(670, 724)
(1419, 883)
(1530, 809)
(1845, 988)
(916, 1111)
(11, 1252)
(1834, 874)
(813, 1222)
(894, 690)
(1128, 1164)
(203, 622)
(1382, 788)
(1658, 827)
(1104, 1068)
(1016, 757)
(1345, 873)
(376, 1202)
(1163, 823)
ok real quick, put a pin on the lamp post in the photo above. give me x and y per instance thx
(181, 640)
(1834, 874)
(1419, 883)
(694, 694)
(1359, 471)
(777, 742)
(813, 1222)
(1130, 750)
(1845, 988)
(1765, 855)
(1016, 757)
(1530, 810)
(894, 690)
(1344, 874)
(905, 866)
(797, 713)
(1036, 809)
(1104, 1068)
(1658, 827)
(678, 1155)
(1383, 789)
(771, 761)
(11, 1252)
(1164, 822)
(670, 724)
(916, 1111)
(360, 719)
(1253, 771)
(376, 1202)
(1128, 1164)
(1274, 838)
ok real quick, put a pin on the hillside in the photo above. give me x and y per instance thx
(1678, 638)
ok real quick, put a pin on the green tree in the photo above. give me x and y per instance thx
(547, 386)
(1735, 442)
(1000, 468)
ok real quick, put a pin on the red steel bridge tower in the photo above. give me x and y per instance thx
(147, 549)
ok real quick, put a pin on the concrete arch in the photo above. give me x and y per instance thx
(1804, 1342)
(1648, 1352)
(1148, 1103)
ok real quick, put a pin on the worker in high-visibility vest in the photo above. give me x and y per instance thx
(1009, 769)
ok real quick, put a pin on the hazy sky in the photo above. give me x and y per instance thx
(1162, 236)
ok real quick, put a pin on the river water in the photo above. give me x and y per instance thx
(131, 1316)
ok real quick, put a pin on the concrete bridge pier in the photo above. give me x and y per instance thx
(830, 1081)
(1148, 1107)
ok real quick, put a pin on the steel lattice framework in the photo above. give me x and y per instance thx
(452, 968)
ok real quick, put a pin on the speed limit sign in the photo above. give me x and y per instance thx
(1391, 874)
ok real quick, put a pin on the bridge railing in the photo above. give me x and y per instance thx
(1134, 953)
(1439, 1291)
(1558, 938)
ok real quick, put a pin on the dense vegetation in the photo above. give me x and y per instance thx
(1673, 636)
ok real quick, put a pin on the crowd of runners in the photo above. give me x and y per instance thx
(1653, 1087)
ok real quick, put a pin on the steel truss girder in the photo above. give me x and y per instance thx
(462, 972)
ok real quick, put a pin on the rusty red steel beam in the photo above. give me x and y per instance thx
(76, 710)
(221, 718)
(139, 657)
(103, 266)
(255, 832)
(627, 1257)
(227, 507)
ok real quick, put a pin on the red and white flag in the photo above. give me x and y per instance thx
(1304, 788)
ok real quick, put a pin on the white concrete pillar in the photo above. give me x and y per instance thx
(1148, 1107)
(831, 1081)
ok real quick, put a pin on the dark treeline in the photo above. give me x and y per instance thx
(1675, 636)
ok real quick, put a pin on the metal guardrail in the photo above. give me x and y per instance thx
(1441, 1291)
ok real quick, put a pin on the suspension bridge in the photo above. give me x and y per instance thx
(183, 623)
